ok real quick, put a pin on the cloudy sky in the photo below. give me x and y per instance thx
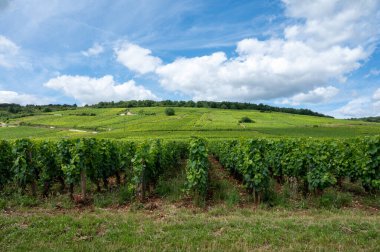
(317, 54)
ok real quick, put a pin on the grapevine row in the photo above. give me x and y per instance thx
(315, 164)
(40, 164)
(197, 168)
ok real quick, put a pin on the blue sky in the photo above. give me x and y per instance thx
(320, 54)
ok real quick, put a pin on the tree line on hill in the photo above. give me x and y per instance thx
(368, 119)
(11, 110)
(206, 104)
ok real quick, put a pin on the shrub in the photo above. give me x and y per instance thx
(246, 119)
(145, 113)
(169, 111)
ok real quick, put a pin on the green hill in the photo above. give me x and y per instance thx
(152, 122)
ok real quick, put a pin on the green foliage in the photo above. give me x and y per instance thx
(25, 166)
(371, 169)
(17, 111)
(145, 113)
(169, 111)
(246, 119)
(151, 159)
(368, 119)
(64, 156)
(197, 167)
(141, 165)
(334, 199)
(315, 164)
(3, 204)
(31, 162)
(85, 114)
(100, 159)
(255, 169)
(126, 194)
(108, 161)
(24, 200)
(49, 164)
(126, 151)
(205, 104)
(14, 109)
(6, 162)
(77, 162)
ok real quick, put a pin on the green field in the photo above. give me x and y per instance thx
(187, 122)
(337, 215)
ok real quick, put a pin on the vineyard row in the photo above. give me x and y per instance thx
(314, 164)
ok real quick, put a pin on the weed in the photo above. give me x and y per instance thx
(333, 199)
(126, 194)
(3, 204)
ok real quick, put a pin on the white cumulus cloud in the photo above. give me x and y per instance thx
(96, 49)
(89, 90)
(318, 95)
(262, 70)
(8, 52)
(136, 58)
(327, 40)
(22, 99)
(361, 107)
(333, 22)
(376, 95)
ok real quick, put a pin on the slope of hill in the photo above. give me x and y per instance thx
(139, 123)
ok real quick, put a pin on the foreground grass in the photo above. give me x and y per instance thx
(346, 220)
(171, 228)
